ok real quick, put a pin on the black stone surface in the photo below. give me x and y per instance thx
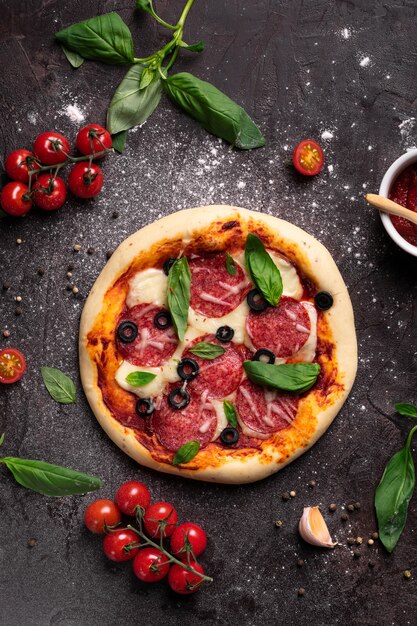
(301, 68)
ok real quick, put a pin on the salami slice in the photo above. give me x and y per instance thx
(214, 292)
(152, 345)
(220, 376)
(283, 329)
(263, 410)
(196, 422)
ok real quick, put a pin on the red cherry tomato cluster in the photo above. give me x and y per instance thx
(158, 521)
(35, 177)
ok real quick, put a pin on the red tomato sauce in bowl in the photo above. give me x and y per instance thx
(404, 191)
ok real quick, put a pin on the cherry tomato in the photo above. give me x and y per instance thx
(18, 164)
(150, 565)
(85, 180)
(14, 199)
(50, 148)
(308, 157)
(92, 139)
(160, 519)
(184, 582)
(12, 365)
(115, 542)
(196, 536)
(50, 192)
(100, 513)
(130, 495)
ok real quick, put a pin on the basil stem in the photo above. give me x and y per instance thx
(186, 453)
(230, 413)
(139, 379)
(297, 377)
(207, 351)
(60, 386)
(263, 270)
(179, 281)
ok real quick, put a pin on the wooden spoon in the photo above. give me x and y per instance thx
(388, 206)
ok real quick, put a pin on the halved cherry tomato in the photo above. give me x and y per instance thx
(308, 157)
(15, 199)
(92, 139)
(19, 163)
(12, 365)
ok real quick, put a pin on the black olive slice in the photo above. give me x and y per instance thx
(323, 300)
(256, 301)
(187, 369)
(270, 356)
(179, 398)
(168, 264)
(229, 436)
(225, 334)
(162, 320)
(127, 331)
(144, 407)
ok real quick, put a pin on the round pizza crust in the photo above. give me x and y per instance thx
(317, 264)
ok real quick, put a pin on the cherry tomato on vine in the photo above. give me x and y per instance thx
(14, 199)
(196, 536)
(50, 148)
(184, 582)
(85, 180)
(49, 192)
(12, 365)
(18, 164)
(308, 157)
(92, 139)
(100, 513)
(150, 565)
(160, 519)
(130, 495)
(115, 542)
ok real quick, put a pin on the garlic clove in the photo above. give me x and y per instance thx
(313, 528)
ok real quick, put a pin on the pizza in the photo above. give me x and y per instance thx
(218, 344)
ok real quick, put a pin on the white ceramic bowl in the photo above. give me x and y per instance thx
(390, 175)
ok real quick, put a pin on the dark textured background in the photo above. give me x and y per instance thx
(301, 68)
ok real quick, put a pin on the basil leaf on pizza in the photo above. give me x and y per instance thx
(60, 386)
(263, 270)
(139, 379)
(186, 453)
(207, 350)
(230, 413)
(297, 377)
(230, 265)
(179, 281)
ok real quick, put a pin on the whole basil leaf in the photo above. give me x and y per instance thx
(230, 265)
(119, 141)
(408, 410)
(131, 105)
(207, 351)
(103, 38)
(393, 495)
(60, 386)
(263, 270)
(215, 111)
(139, 379)
(297, 377)
(73, 57)
(186, 453)
(50, 480)
(230, 413)
(194, 47)
(179, 281)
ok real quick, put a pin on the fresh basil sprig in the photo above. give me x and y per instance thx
(263, 270)
(296, 377)
(60, 386)
(207, 351)
(186, 453)
(230, 413)
(179, 281)
(139, 379)
(230, 264)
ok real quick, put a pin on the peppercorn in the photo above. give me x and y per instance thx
(407, 573)
(19, 241)
(370, 542)
(278, 523)
(371, 564)
(344, 517)
(77, 247)
(6, 333)
(300, 563)
(6, 286)
(18, 298)
(332, 507)
(375, 535)
(301, 591)
(285, 496)
(18, 311)
(69, 274)
(293, 494)
(350, 507)
(312, 483)
(115, 215)
(357, 505)
(359, 540)
(70, 287)
(90, 250)
(32, 543)
(41, 271)
(356, 554)
(75, 290)
(350, 541)
(70, 267)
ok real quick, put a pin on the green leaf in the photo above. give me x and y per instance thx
(131, 105)
(145, 5)
(230, 264)
(186, 453)
(139, 379)
(207, 351)
(215, 111)
(297, 377)
(408, 410)
(146, 78)
(393, 495)
(194, 47)
(119, 141)
(103, 38)
(60, 386)
(74, 58)
(50, 480)
(179, 281)
(263, 270)
(230, 413)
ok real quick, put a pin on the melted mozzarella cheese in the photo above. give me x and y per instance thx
(209, 325)
(148, 286)
(166, 373)
(222, 422)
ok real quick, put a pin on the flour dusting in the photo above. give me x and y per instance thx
(74, 113)
(364, 61)
(327, 135)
